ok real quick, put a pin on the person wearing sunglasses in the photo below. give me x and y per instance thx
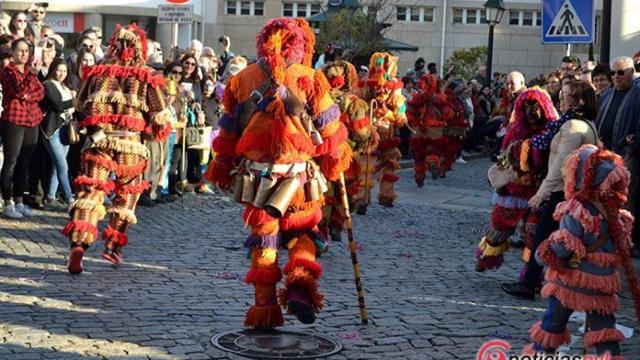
(19, 27)
(618, 128)
(37, 11)
(94, 35)
(570, 66)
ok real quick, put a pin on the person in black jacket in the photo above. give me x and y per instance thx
(58, 108)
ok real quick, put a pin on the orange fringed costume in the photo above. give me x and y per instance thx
(430, 113)
(389, 113)
(290, 143)
(343, 79)
(122, 99)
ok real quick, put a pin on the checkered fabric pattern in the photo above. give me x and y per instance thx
(22, 93)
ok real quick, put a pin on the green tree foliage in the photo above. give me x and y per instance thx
(466, 62)
(359, 34)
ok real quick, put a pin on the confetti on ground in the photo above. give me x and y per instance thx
(352, 336)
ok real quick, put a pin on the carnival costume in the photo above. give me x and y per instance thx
(363, 138)
(527, 162)
(281, 132)
(389, 112)
(429, 113)
(122, 100)
(455, 131)
(582, 257)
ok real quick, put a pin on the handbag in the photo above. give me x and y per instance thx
(500, 176)
(72, 132)
(198, 137)
(192, 136)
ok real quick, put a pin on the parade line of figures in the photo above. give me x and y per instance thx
(289, 139)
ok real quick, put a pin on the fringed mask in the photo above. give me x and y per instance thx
(128, 45)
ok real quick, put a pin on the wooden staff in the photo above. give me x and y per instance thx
(352, 249)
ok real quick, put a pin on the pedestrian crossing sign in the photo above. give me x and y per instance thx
(568, 21)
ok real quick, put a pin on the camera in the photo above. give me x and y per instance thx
(222, 39)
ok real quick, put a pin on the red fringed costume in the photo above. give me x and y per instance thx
(437, 122)
(122, 100)
(389, 113)
(584, 255)
(363, 138)
(282, 153)
(532, 110)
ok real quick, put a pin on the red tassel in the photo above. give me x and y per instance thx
(121, 170)
(549, 340)
(127, 121)
(304, 223)
(593, 338)
(105, 186)
(331, 144)
(115, 236)
(134, 189)
(142, 74)
(264, 317)
(269, 275)
(81, 226)
(218, 173)
(389, 178)
(313, 267)
(255, 217)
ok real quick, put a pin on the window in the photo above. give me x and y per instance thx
(287, 9)
(469, 16)
(415, 14)
(401, 13)
(251, 8)
(299, 9)
(258, 8)
(231, 7)
(525, 18)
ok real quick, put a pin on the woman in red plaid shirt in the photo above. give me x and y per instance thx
(19, 125)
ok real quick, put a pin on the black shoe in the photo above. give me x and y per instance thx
(361, 210)
(336, 234)
(160, 200)
(145, 200)
(518, 290)
(385, 203)
(170, 197)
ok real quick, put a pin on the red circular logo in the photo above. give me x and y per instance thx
(178, 1)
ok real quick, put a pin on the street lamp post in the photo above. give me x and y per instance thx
(495, 10)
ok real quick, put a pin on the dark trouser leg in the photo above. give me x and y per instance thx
(602, 333)
(632, 162)
(550, 333)
(12, 138)
(544, 228)
(29, 143)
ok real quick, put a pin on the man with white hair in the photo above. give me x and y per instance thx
(195, 48)
(515, 85)
(619, 128)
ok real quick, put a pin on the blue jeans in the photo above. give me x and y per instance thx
(58, 148)
(164, 190)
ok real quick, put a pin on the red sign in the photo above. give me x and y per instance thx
(178, 1)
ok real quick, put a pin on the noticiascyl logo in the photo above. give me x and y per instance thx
(494, 350)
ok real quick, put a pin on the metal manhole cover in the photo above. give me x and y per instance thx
(273, 344)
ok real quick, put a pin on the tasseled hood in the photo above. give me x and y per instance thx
(133, 49)
(383, 69)
(596, 174)
(342, 75)
(534, 102)
(285, 41)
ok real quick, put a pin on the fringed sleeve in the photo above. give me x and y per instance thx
(399, 104)
(563, 243)
(159, 115)
(224, 145)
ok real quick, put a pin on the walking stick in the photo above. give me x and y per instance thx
(352, 249)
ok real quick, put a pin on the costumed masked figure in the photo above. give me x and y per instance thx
(282, 132)
(456, 128)
(123, 100)
(363, 138)
(389, 113)
(428, 113)
(525, 167)
(583, 255)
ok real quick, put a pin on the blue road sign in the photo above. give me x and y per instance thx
(568, 21)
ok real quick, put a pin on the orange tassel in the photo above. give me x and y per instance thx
(549, 340)
(592, 338)
(604, 304)
(269, 275)
(264, 317)
(311, 266)
(80, 226)
(115, 236)
(218, 172)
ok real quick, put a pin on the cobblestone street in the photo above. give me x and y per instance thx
(182, 283)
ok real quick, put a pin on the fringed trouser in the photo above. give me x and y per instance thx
(495, 241)
(428, 155)
(127, 160)
(550, 333)
(297, 231)
(388, 165)
(365, 179)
